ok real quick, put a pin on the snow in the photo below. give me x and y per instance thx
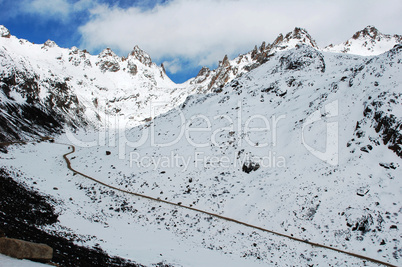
(113, 92)
(6, 261)
(262, 116)
(369, 42)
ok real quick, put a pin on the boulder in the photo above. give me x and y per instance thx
(25, 250)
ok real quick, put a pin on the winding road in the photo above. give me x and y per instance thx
(313, 244)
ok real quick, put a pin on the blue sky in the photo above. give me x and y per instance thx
(188, 34)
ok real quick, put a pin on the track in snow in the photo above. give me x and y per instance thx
(217, 215)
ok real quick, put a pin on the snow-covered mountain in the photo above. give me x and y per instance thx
(288, 137)
(208, 80)
(367, 42)
(45, 87)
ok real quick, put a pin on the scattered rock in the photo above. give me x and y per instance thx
(366, 148)
(389, 165)
(250, 166)
(25, 250)
(362, 191)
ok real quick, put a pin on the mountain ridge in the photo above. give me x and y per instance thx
(85, 88)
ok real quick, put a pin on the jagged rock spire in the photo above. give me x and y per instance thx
(141, 55)
(369, 31)
(225, 62)
(49, 44)
(108, 61)
(302, 36)
(4, 32)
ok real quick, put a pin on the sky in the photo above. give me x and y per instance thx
(185, 35)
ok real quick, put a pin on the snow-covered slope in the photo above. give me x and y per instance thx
(11, 262)
(367, 42)
(308, 144)
(288, 137)
(71, 86)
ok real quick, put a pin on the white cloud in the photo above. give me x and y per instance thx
(173, 66)
(204, 31)
(59, 9)
(83, 4)
(48, 7)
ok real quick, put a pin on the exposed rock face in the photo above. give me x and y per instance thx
(386, 124)
(4, 32)
(141, 56)
(23, 110)
(230, 69)
(108, 61)
(379, 112)
(372, 34)
(25, 250)
(369, 31)
(309, 58)
(203, 74)
(132, 67)
(300, 36)
(49, 44)
(78, 57)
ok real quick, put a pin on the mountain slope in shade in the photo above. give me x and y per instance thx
(367, 42)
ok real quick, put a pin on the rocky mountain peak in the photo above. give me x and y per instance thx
(107, 52)
(225, 62)
(228, 70)
(108, 61)
(77, 56)
(141, 55)
(368, 32)
(278, 39)
(4, 32)
(49, 44)
(301, 36)
(367, 42)
(262, 47)
(204, 71)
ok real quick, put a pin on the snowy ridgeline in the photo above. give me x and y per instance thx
(46, 88)
(305, 143)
